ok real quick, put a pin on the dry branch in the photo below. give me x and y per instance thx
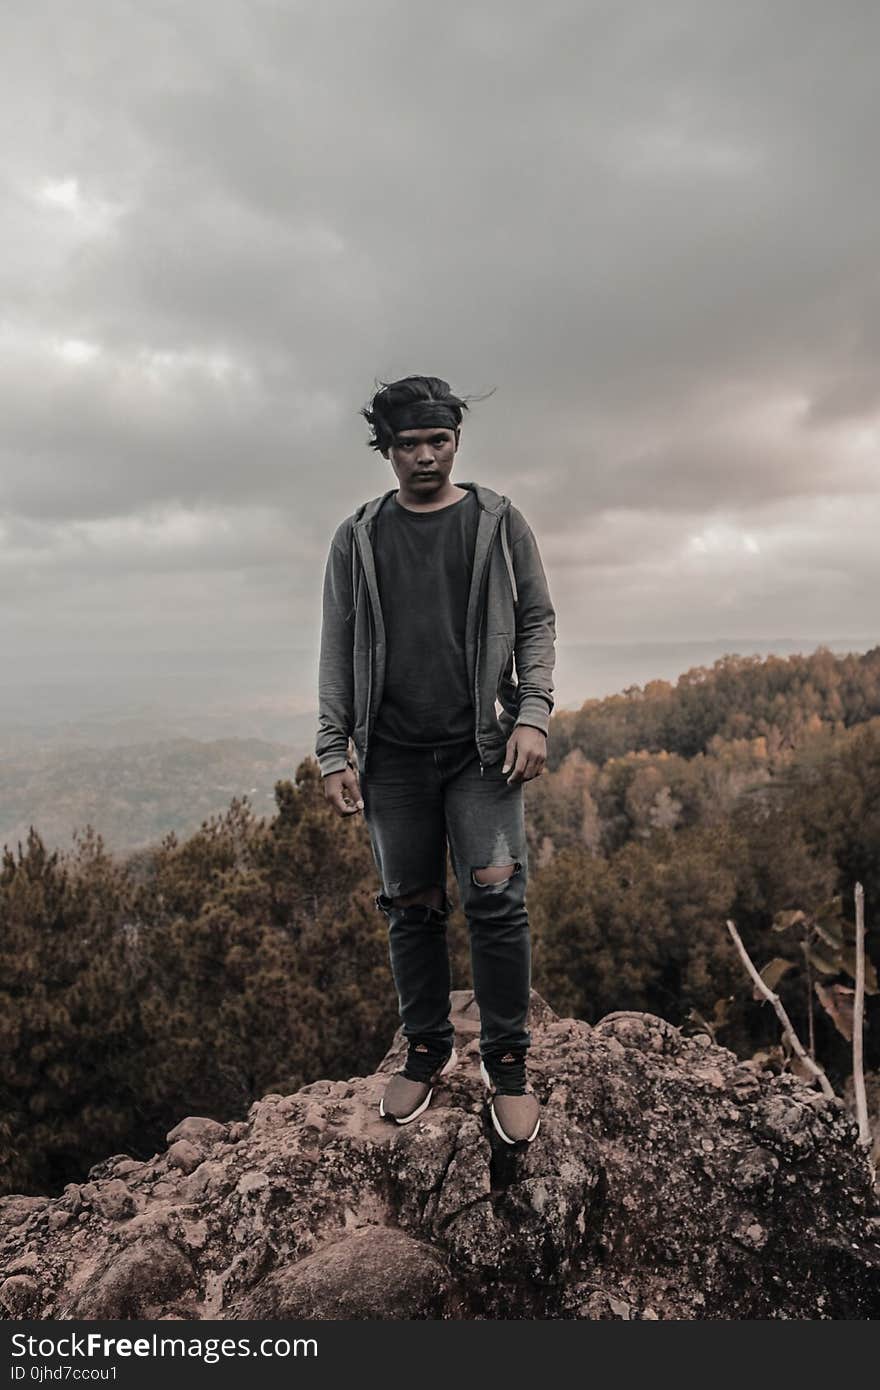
(812, 1067)
(858, 1022)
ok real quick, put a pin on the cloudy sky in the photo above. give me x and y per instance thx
(654, 230)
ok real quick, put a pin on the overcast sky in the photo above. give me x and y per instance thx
(654, 229)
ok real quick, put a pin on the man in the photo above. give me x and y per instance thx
(433, 593)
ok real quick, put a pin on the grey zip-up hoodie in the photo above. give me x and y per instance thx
(510, 623)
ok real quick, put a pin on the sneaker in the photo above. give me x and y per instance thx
(513, 1105)
(409, 1092)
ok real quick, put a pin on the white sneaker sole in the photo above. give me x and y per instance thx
(408, 1119)
(487, 1081)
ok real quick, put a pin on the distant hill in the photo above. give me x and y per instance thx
(136, 771)
(134, 794)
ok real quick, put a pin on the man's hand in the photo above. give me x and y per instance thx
(526, 753)
(343, 791)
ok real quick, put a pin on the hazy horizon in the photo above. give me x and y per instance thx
(138, 758)
(266, 694)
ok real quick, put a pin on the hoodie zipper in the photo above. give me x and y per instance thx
(371, 664)
(477, 666)
(484, 579)
(368, 729)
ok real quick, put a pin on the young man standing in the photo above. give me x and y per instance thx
(434, 594)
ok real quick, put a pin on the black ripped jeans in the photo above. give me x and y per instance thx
(415, 801)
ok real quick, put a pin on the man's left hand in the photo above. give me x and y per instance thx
(526, 753)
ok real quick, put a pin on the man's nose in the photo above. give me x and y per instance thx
(425, 454)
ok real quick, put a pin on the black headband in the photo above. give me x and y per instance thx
(418, 415)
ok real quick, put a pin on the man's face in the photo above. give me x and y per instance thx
(423, 459)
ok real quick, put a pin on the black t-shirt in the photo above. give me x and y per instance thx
(424, 562)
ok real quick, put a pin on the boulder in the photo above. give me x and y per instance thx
(668, 1181)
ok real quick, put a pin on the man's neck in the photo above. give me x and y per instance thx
(450, 494)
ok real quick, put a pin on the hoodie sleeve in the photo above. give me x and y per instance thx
(336, 662)
(534, 648)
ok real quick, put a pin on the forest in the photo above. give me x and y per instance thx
(197, 975)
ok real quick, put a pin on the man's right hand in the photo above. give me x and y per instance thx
(343, 791)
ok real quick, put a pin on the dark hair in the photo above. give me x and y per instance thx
(392, 397)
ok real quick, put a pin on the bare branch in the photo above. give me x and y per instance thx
(812, 1067)
(858, 1022)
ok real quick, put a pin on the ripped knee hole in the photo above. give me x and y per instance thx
(494, 875)
(418, 900)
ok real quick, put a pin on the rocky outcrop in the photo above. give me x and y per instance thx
(669, 1180)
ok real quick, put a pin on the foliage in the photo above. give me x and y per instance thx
(69, 1028)
(780, 699)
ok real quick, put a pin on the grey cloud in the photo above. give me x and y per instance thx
(619, 216)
